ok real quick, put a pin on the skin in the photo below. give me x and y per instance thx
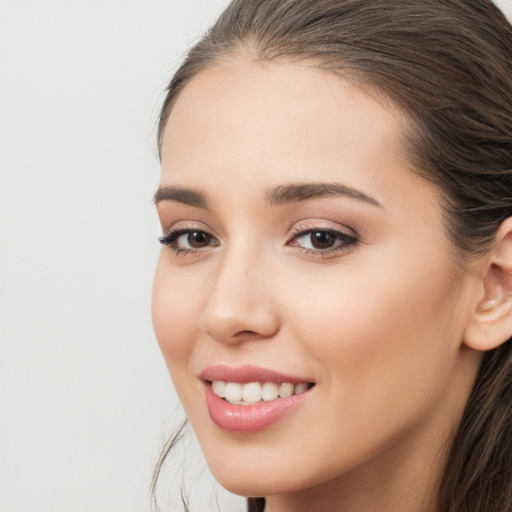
(378, 325)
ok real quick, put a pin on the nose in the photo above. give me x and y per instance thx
(241, 306)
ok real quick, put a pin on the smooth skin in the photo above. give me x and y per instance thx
(360, 292)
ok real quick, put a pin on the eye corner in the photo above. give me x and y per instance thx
(186, 240)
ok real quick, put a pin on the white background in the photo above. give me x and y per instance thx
(85, 398)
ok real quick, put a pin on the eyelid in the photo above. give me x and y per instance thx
(345, 237)
(323, 225)
(186, 225)
(349, 238)
(175, 231)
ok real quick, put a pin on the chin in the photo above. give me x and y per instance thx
(249, 487)
(255, 480)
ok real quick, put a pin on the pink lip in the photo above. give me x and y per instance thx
(247, 373)
(251, 418)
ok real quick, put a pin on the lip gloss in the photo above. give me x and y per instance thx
(249, 418)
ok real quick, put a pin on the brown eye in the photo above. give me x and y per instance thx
(322, 239)
(198, 239)
(189, 240)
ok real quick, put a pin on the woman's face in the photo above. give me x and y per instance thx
(300, 249)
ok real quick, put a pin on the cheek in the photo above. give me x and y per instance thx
(176, 305)
(380, 330)
(174, 309)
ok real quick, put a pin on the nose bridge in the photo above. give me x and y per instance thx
(240, 304)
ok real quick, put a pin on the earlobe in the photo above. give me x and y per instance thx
(490, 324)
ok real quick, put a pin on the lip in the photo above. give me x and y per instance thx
(248, 373)
(249, 418)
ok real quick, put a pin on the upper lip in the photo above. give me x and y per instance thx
(247, 373)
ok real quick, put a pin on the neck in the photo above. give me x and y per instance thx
(386, 487)
(393, 488)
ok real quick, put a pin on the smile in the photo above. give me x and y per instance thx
(252, 393)
(250, 399)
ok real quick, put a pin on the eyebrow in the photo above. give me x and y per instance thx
(282, 194)
(296, 192)
(182, 195)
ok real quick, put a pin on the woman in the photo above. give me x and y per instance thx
(334, 294)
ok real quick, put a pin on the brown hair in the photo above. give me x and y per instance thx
(448, 65)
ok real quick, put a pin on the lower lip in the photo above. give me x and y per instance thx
(249, 418)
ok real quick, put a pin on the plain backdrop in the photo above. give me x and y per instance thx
(85, 398)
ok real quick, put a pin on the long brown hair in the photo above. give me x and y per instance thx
(448, 65)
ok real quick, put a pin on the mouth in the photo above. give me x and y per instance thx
(247, 398)
(251, 393)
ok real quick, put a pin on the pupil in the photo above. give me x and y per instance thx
(198, 239)
(322, 240)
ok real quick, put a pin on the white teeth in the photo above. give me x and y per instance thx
(219, 388)
(233, 391)
(254, 392)
(269, 391)
(286, 390)
(300, 388)
(251, 392)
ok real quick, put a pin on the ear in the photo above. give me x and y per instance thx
(490, 324)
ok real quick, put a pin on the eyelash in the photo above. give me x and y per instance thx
(170, 238)
(345, 241)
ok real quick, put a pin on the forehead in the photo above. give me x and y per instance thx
(241, 129)
(250, 110)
